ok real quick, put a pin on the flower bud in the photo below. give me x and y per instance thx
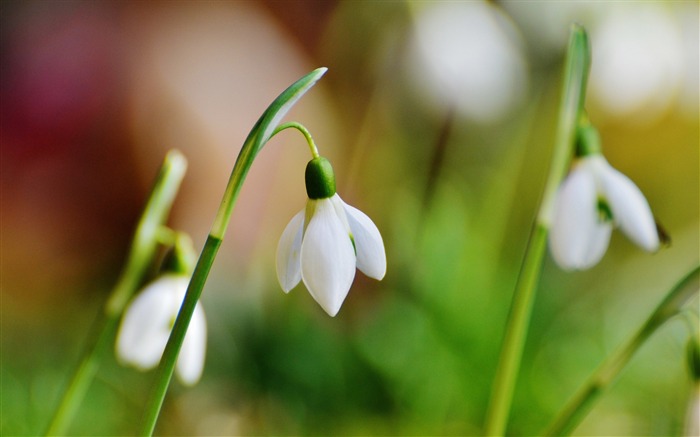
(320, 179)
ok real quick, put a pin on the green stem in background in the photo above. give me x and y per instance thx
(577, 408)
(140, 258)
(571, 108)
(181, 257)
(262, 131)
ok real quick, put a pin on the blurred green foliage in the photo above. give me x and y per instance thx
(414, 354)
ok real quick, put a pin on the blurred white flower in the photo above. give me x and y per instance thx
(638, 60)
(592, 200)
(146, 327)
(323, 244)
(467, 55)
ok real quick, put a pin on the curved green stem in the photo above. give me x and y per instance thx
(575, 78)
(303, 130)
(262, 131)
(577, 408)
(140, 257)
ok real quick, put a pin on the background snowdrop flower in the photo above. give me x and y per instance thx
(146, 327)
(638, 65)
(469, 56)
(592, 200)
(324, 243)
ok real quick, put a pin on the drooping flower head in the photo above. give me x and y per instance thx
(593, 199)
(324, 243)
(146, 327)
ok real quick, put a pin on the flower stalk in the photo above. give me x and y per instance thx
(570, 112)
(140, 257)
(307, 135)
(577, 408)
(262, 131)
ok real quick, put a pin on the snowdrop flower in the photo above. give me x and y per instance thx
(324, 243)
(593, 199)
(146, 326)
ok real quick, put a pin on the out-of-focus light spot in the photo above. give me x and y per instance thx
(637, 61)
(60, 73)
(467, 55)
(546, 24)
(687, 14)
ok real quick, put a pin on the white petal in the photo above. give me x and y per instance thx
(630, 208)
(327, 258)
(190, 362)
(146, 324)
(288, 253)
(578, 239)
(598, 241)
(371, 258)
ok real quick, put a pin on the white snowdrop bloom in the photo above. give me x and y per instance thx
(146, 327)
(324, 243)
(592, 200)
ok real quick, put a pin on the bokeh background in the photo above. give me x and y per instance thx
(439, 118)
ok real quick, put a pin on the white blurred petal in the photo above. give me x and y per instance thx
(190, 362)
(146, 323)
(371, 257)
(578, 239)
(327, 258)
(630, 208)
(288, 253)
(598, 241)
